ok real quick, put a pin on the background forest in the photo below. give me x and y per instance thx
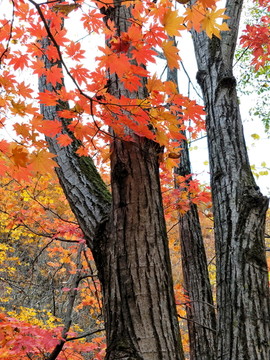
(57, 260)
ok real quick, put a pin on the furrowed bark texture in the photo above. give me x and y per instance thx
(139, 304)
(239, 207)
(200, 310)
(86, 192)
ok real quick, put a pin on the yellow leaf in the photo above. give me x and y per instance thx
(265, 172)
(173, 23)
(210, 24)
(171, 54)
(255, 136)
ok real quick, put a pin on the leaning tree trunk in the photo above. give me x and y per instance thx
(200, 309)
(128, 239)
(239, 207)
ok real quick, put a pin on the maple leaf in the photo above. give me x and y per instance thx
(20, 61)
(4, 146)
(22, 129)
(24, 90)
(208, 3)
(38, 67)
(74, 51)
(50, 127)
(93, 21)
(144, 54)
(48, 98)
(116, 63)
(42, 162)
(18, 107)
(171, 54)
(172, 22)
(80, 73)
(64, 140)
(19, 156)
(54, 75)
(82, 151)
(131, 81)
(194, 15)
(210, 24)
(120, 44)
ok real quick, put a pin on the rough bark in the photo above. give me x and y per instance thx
(129, 240)
(200, 310)
(239, 207)
(139, 305)
(87, 194)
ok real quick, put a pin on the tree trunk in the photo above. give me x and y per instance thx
(200, 310)
(129, 240)
(239, 207)
(139, 304)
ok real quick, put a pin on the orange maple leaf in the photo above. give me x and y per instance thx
(171, 54)
(18, 107)
(74, 51)
(48, 98)
(24, 90)
(64, 140)
(50, 127)
(207, 3)
(172, 22)
(194, 15)
(19, 156)
(19, 61)
(82, 151)
(42, 162)
(4, 146)
(54, 75)
(80, 73)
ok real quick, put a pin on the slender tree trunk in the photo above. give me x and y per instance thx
(200, 310)
(239, 207)
(128, 240)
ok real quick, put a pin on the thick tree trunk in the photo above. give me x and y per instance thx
(139, 304)
(239, 207)
(200, 310)
(129, 242)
